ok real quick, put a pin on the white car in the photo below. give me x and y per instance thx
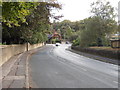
(57, 44)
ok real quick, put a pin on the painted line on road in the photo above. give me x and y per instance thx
(64, 60)
(79, 67)
(83, 69)
(115, 82)
(72, 64)
(90, 76)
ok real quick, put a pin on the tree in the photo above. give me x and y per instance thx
(30, 26)
(103, 10)
(95, 31)
(15, 12)
(104, 16)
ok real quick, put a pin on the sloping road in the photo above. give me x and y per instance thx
(55, 67)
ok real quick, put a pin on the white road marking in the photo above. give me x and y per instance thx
(115, 81)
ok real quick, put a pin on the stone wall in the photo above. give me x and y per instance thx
(7, 51)
(104, 53)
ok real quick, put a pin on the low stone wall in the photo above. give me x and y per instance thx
(7, 51)
(30, 47)
(104, 53)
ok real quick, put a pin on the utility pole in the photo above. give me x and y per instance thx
(27, 47)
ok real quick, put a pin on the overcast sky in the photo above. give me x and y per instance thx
(76, 10)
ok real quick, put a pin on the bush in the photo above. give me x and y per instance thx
(104, 53)
(76, 42)
(58, 41)
(53, 41)
(93, 44)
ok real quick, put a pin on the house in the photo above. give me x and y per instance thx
(55, 37)
(115, 41)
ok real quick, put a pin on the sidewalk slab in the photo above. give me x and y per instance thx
(6, 68)
(15, 73)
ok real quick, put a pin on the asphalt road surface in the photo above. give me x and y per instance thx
(56, 67)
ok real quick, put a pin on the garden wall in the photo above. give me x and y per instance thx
(7, 51)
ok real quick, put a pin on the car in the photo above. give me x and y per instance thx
(67, 42)
(57, 44)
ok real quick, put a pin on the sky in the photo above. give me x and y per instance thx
(76, 10)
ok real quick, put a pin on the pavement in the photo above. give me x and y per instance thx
(15, 72)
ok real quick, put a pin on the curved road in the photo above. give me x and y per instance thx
(55, 67)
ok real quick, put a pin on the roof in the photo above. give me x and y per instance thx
(115, 37)
(49, 36)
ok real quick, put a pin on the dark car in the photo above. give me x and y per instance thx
(67, 42)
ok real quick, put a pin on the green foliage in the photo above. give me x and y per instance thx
(118, 29)
(92, 31)
(1, 44)
(103, 10)
(56, 41)
(96, 31)
(68, 29)
(99, 26)
(53, 41)
(76, 42)
(26, 21)
(106, 41)
(15, 12)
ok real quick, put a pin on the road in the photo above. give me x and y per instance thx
(56, 67)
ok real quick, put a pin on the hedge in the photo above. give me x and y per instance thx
(105, 53)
